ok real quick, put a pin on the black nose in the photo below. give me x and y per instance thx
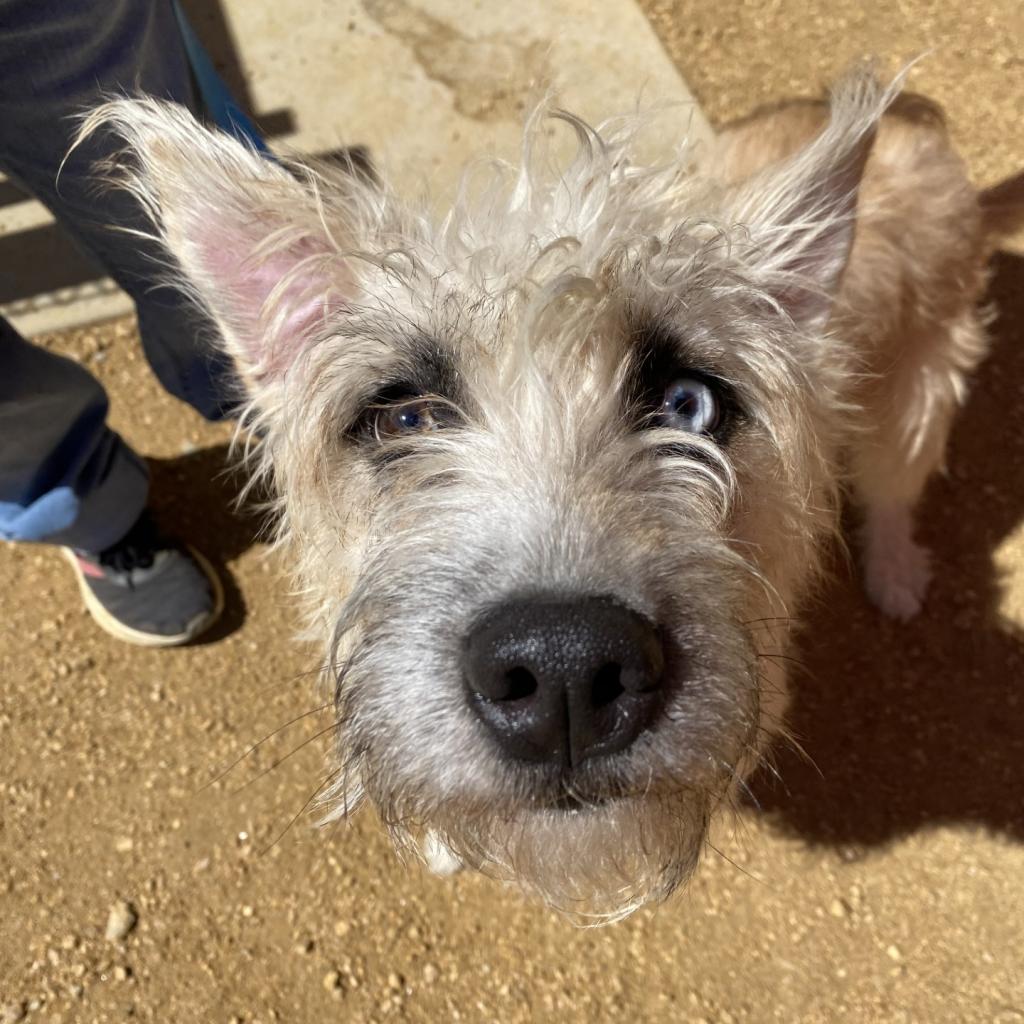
(562, 681)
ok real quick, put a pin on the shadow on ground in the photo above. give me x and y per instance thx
(197, 493)
(922, 724)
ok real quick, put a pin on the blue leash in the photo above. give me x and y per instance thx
(218, 101)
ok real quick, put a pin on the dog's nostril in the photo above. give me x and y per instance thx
(519, 683)
(607, 687)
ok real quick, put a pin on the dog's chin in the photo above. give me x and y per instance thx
(595, 860)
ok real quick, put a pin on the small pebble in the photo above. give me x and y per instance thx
(121, 921)
(430, 973)
(893, 953)
(332, 981)
(12, 1013)
(837, 908)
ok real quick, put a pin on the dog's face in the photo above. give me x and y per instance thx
(549, 469)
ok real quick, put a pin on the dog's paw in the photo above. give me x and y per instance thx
(896, 576)
(438, 857)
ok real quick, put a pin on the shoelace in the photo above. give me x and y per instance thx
(137, 549)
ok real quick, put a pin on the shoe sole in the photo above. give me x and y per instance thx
(112, 625)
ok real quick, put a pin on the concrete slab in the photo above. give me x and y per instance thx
(424, 85)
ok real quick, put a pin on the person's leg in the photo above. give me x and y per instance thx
(58, 58)
(65, 477)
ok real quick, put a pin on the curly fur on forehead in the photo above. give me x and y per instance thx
(320, 230)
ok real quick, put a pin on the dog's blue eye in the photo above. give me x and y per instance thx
(410, 417)
(414, 416)
(689, 405)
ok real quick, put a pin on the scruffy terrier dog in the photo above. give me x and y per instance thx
(547, 466)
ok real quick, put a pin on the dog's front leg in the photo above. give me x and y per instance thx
(908, 412)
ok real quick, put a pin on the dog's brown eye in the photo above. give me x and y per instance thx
(413, 416)
(691, 405)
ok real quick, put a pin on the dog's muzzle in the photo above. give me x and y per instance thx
(559, 682)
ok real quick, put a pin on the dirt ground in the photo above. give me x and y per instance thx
(886, 886)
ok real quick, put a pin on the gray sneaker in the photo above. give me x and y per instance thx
(149, 589)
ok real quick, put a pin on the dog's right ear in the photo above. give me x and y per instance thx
(800, 213)
(248, 236)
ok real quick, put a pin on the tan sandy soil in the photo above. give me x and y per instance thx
(887, 885)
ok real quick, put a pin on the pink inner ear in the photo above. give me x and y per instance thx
(304, 303)
(237, 289)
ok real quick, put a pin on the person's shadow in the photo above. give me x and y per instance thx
(922, 724)
(196, 496)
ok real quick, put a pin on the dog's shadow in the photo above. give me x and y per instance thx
(909, 726)
(195, 495)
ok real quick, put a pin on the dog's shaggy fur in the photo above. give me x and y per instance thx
(530, 328)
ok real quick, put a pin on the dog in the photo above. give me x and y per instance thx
(557, 469)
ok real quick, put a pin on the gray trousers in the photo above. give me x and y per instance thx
(65, 477)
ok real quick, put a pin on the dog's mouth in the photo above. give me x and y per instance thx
(574, 803)
(577, 792)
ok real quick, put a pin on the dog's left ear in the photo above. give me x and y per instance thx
(249, 238)
(801, 213)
